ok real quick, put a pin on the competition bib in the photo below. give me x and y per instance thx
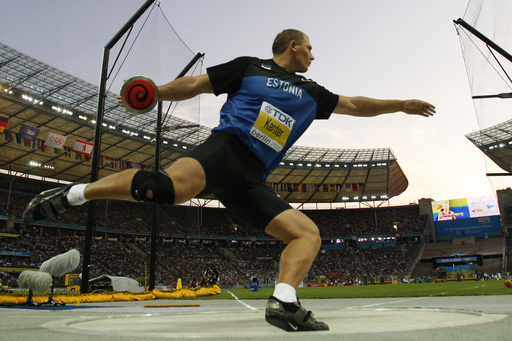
(272, 127)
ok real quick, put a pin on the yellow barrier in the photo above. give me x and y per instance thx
(111, 296)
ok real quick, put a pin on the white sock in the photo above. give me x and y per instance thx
(76, 195)
(285, 293)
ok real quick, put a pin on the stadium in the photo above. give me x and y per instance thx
(346, 192)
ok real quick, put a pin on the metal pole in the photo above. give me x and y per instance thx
(90, 227)
(154, 225)
(484, 39)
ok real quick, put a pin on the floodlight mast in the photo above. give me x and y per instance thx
(90, 226)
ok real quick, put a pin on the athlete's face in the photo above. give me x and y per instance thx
(303, 55)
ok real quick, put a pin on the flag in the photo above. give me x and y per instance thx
(146, 168)
(68, 151)
(10, 136)
(27, 143)
(128, 165)
(40, 145)
(3, 123)
(80, 156)
(108, 162)
(28, 132)
(82, 147)
(55, 140)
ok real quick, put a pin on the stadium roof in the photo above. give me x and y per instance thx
(44, 97)
(496, 143)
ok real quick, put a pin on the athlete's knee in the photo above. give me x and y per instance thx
(159, 184)
(312, 233)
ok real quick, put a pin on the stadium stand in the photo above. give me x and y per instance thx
(192, 238)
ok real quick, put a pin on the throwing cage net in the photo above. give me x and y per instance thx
(484, 33)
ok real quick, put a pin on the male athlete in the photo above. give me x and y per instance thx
(268, 108)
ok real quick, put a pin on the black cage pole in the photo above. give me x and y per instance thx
(91, 224)
(154, 224)
(483, 38)
(492, 45)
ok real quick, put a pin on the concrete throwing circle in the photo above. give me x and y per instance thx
(252, 324)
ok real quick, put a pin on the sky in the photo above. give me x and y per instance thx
(394, 49)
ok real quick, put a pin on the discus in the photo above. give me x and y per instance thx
(139, 94)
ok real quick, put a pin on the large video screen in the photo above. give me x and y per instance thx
(475, 207)
(467, 217)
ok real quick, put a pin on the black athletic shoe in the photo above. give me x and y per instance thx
(294, 318)
(47, 204)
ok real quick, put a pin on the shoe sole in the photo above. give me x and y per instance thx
(276, 321)
(35, 204)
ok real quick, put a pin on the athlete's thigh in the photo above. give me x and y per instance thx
(256, 205)
(188, 178)
(292, 224)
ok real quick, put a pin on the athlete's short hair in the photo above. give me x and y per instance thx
(284, 38)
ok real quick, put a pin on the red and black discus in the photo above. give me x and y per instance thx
(139, 94)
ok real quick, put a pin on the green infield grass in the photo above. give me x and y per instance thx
(469, 288)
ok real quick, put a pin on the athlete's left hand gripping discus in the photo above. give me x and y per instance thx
(139, 94)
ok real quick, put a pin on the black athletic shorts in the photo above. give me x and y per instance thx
(235, 176)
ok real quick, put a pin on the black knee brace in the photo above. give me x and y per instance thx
(159, 183)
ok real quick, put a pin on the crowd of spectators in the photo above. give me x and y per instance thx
(385, 263)
(129, 256)
(190, 220)
(339, 266)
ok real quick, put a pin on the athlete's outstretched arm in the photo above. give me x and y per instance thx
(182, 88)
(185, 88)
(368, 107)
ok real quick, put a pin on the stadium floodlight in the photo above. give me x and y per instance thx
(34, 163)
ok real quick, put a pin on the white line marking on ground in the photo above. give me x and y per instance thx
(242, 302)
(375, 304)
